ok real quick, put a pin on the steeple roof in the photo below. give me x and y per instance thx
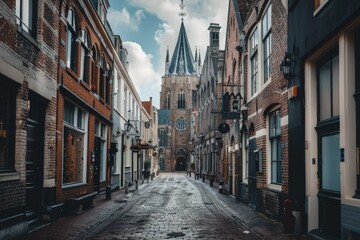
(182, 61)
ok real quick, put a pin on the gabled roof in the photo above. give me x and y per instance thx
(182, 61)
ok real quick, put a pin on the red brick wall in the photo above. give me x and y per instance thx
(34, 60)
(82, 90)
(273, 95)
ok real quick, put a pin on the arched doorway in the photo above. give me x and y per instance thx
(180, 164)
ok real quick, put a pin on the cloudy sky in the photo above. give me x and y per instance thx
(148, 27)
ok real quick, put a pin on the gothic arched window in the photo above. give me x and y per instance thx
(181, 99)
(85, 56)
(71, 45)
(168, 99)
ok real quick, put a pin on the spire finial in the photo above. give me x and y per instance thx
(182, 12)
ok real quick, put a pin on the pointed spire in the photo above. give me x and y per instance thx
(182, 52)
(167, 54)
(199, 58)
(195, 54)
(182, 12)
(167, 61)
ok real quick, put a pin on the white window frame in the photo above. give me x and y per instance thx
(85, 53)
(25, 15)
(101, 130)
(266, 36)
(270, 185)
(70, 35)
(85, 132)
(256, 50)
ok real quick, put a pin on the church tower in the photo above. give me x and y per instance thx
(176, 104)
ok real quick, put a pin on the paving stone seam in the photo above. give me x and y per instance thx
(221, 207)
(106, 219)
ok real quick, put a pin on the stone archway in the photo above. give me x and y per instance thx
(180, 164)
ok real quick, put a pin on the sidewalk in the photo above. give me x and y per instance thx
(71, 225)
(268, 228)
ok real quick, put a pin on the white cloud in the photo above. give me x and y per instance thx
(142, 73)
(123, 18)
(199, 15)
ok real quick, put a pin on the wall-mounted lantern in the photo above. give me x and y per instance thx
(285, 66)
(201, 137)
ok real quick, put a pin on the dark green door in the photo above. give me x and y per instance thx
(34, 157)
(252, 173)
(97, 164)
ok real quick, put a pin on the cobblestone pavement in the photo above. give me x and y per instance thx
(175, 207)
(172, 206)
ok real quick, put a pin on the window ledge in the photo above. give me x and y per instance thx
(84, 84)
(275, 187)
(11, 176)
(75, 185)
(72, 73)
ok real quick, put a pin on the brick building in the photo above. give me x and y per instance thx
(28, 82)
(232, 91)
(265, 99)
(84, 100)
(254, 105)
(176, 105)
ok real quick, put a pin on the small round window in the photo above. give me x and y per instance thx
(181, 124)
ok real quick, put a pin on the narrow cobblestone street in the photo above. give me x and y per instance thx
(175, 207)
(172, 206)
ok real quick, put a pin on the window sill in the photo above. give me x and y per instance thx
(75, 185)
(84, 84)
(11, 176)
(72, 73)
(275, 187)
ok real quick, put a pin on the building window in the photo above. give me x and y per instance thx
(74, 144)
(71, 49)
(266, 38)
(254, 62)
(168, 99)
(7, 127)
(101, 133)
(181, 124)
(275, 146)
(328, 86)
(94, 80)
(125, 102)
(181, 99)
(102, 77)
(26, 15)
(117, 93)
(85, 56)
(107, 85)
(162, 137)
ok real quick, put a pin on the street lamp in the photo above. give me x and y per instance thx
(128, 126)
(201, 137)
